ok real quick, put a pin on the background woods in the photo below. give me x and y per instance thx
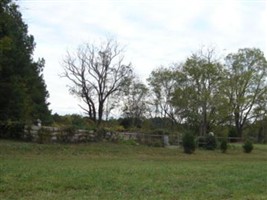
(204, 93)
(22, 87)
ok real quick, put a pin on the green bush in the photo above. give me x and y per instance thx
(248, 146)
(208, 142)
(224, 145)
(189, 143)
(12, 130)
(44, 136)
(201, 142)
(100, 133)
(233, 135)
(157, 143)
(211, 142)
(153, 142)
(66, 134)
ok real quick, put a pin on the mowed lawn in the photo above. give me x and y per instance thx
(116, 171)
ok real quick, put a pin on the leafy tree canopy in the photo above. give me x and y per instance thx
(22, 87)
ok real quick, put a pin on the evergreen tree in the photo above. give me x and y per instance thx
(22, 87)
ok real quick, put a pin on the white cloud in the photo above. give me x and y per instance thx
(155, 32)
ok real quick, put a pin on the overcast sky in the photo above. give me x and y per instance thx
(155, 32)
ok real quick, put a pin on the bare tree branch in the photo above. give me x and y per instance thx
(96, 72)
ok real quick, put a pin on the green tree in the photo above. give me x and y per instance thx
(198, 94)
(39, 93)
(135, 103)
(245, 86)
(163, 82)
(22, 88)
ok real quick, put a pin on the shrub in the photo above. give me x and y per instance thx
(100, 133)
(224, 146)
(12, 130)
(119, 128)
(44, 136)
(248, 146)
(233, 135)
(189, 143)
(201, 142)
(153, 141)
(157, 143)
(66, 134)
(211, 142)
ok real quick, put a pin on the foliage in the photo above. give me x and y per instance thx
(22, 87)
(129, 122)
(205, 93)
(101, 132)
(156, 143)
(74, 120)
(151, 140)
(197, 94)
(211, 142)
(135, 103)
(246, 86)
(66, 134)
(44, 136)
(201, 142)
(162, 82)
(11, 130)
(208, 142)
(160, 123)
(224, 145)
(248, 146)
(258, 130)
(189, 143)
(232, 133)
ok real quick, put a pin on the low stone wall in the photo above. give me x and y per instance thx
(46, 134)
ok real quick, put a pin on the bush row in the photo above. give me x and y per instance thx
(209, 142)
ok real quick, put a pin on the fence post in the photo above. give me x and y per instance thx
(166, 140)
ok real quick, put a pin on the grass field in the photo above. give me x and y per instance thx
(113, 171)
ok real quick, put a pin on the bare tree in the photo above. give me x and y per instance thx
(96, 72)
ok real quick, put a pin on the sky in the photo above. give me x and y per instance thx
(154, 32)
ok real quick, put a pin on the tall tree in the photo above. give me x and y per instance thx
(22, 88)
(96, 72)
(246, 86)
(162, 82)
(135, 103)
(197, 94)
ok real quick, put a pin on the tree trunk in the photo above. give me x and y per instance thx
(204, 124)
(239, 128)
(100, 112)
(238, 124)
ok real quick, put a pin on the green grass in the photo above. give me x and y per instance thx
(112, 171)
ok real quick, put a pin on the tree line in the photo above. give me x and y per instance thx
(202, 93)
(206, 92)
(22, 87)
